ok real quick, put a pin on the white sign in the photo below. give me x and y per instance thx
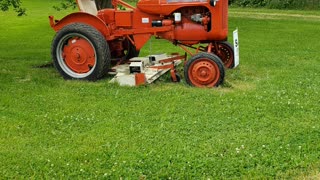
(236, 48)
(145, 20)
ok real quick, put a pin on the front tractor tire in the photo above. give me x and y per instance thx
(81, 52)
(204, 70)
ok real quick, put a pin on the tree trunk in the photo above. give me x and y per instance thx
(103, 4)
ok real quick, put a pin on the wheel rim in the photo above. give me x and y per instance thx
(225, 54)
(76, 55)
(204, 73)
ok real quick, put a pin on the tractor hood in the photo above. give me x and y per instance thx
(166, 7)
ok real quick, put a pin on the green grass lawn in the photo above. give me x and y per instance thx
(264, 122)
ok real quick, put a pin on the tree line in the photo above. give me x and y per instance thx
(16, 5)
(278, 4)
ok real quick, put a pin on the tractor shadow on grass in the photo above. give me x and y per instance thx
(46, 65)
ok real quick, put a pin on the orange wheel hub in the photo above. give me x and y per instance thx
(79, 55)
(204, 73)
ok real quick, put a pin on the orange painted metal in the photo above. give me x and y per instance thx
(79, 55)
(81, 17)
(210, 48)
(174, 58)
(173, 75)
(157, 18)
(169, 64)
(123, 19)
(140, 79)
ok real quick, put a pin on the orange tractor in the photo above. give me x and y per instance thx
(88, 41)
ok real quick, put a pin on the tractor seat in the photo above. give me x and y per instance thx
(88, 6)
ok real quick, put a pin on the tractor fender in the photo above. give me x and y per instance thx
(80, 17)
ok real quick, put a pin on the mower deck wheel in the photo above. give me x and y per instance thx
(178, 78)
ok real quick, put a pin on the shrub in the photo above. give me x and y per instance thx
(286, 4)
(278, 4)
(250, 3)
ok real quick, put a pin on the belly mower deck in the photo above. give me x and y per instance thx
(145, 70)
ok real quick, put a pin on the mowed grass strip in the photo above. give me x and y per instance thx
(262, 123)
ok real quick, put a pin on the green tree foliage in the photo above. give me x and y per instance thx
(278, 4)
(101, 4)
(16, 4)
(66, 4)
(249, 3)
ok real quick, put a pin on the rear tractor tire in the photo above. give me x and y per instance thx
(81, 52)
(204, 70)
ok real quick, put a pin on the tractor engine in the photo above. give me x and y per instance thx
(194, 21)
